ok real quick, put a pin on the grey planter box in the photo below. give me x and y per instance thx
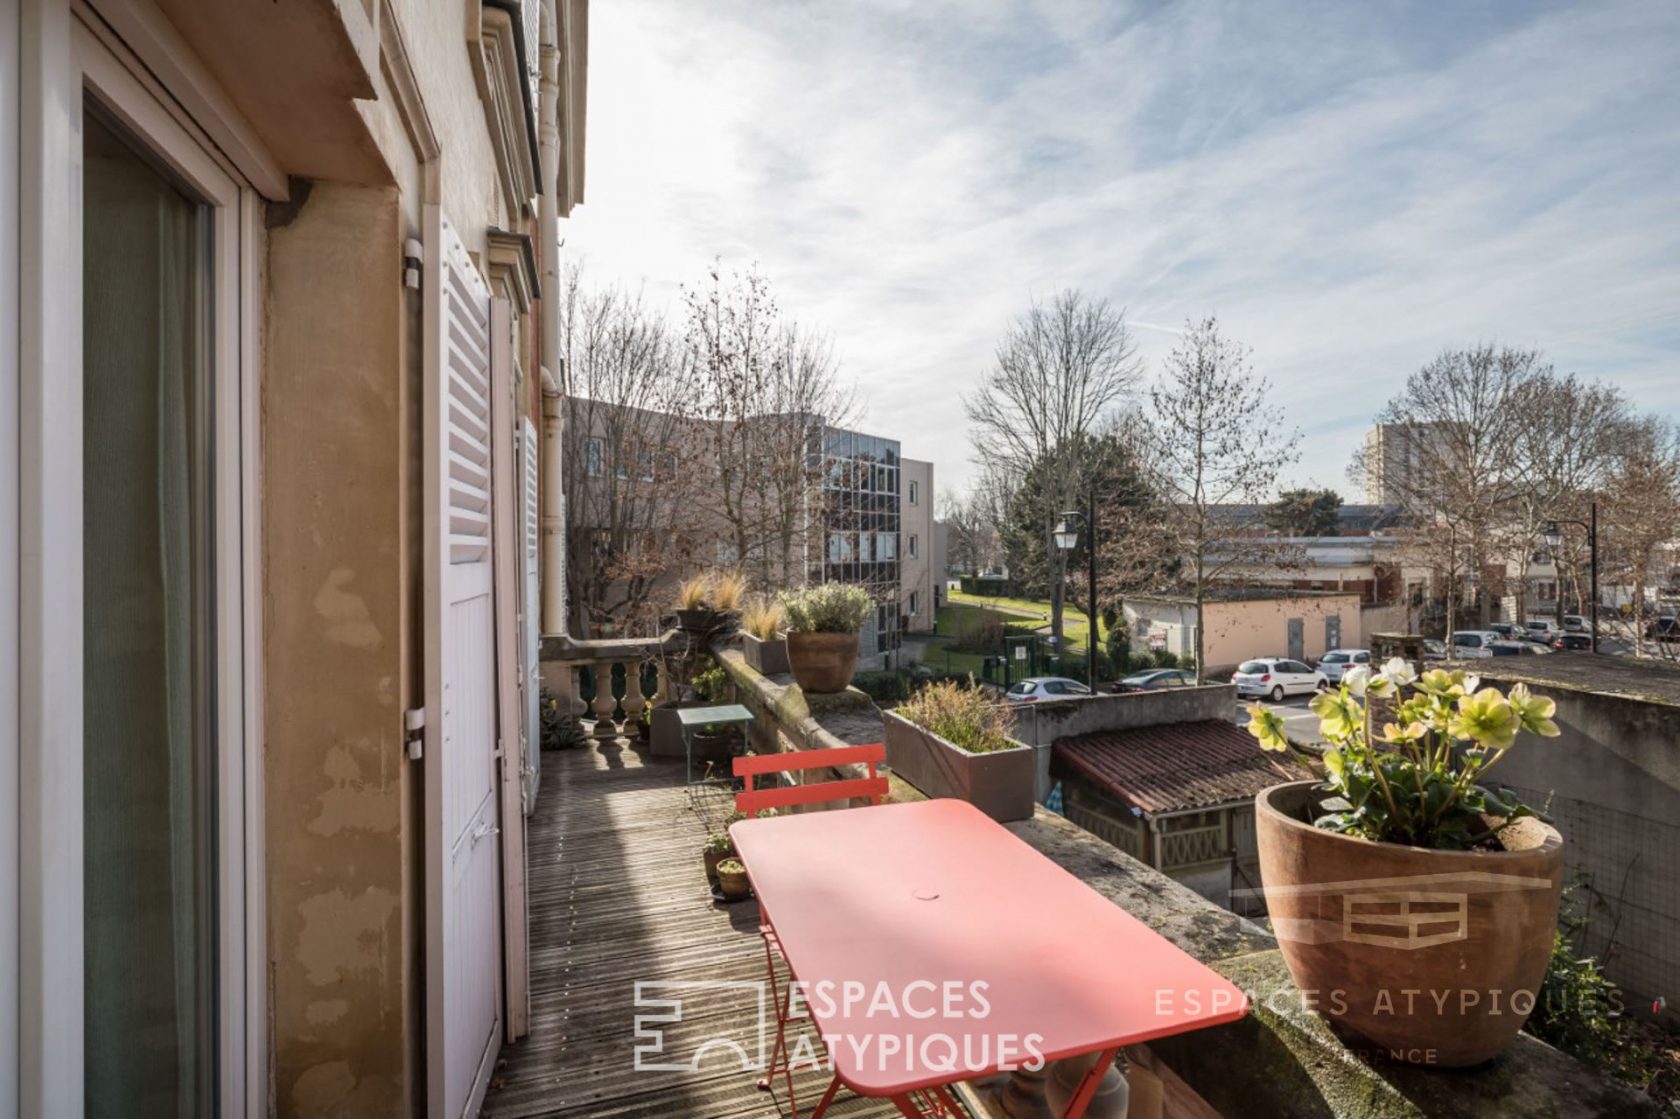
(1000, 784)
(767, 658)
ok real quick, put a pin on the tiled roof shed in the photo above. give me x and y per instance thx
(1178, 766)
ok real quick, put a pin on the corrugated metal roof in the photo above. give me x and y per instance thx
(1178, 766)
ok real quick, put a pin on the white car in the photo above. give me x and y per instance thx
(1035, 688)
(1474, 642)
(1575, 623)
(1277, 677)
(1337, 661)
(1542, 629)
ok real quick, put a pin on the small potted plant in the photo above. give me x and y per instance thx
(1403, 872)
(761, 637)
(694, 604)
(823, 623)
(718, 848)
(953, 741)
(732, 880)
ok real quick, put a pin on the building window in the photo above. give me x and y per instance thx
(595, 458)
(886, 546)
(913, 541)
(913, 496)
(912, 598)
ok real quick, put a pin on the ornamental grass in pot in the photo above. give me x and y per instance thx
(1414, 904)
(761, 637)
(823, 623)
(953, 741)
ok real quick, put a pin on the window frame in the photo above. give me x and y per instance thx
(190, 131)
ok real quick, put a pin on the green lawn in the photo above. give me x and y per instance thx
(1074, 624)
(959, 617)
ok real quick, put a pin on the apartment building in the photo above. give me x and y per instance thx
(924, 549)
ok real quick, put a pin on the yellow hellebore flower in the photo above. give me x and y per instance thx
(1356, 679)
(1403, 735)
(1534, 711)
(1339, 715)
(1487, 718)
(1267, 726)
(1399, 672)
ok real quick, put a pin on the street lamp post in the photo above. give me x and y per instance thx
(1553, 537)
(1067, 539)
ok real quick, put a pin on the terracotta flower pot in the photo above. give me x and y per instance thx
(822, 662)
(1433, 957)
(734, 885)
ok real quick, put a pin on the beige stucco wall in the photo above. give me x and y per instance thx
(917, 573)
(336, 665)
(1237, 631)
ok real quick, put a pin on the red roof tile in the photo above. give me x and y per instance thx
(1178, 766)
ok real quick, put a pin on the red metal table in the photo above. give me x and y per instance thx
(899, 897)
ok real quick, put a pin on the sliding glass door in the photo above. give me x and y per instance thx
(149, 763)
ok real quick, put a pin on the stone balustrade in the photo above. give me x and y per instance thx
(606, 681)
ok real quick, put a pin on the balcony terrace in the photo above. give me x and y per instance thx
(617, 898)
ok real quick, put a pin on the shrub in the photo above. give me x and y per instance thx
(885, 686)
(763, 619)
(827, 608)
(1118, 645)
(1166, 659)
(712, 683)
(964, 716)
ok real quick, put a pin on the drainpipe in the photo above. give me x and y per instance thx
(553, 512)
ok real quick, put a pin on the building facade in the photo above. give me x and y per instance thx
(277, 370)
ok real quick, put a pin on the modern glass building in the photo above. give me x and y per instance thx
(859, 517)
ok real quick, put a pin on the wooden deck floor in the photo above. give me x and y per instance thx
(618, 897)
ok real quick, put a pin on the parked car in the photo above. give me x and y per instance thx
(1156, 680)
(1035, 688)
(1277, 677)
(1575, 623)
(1473, 642)
(1337, 661)
(1543, 629)
(1508, 631)
(1517, 649)
(1663, 629)
(1434, 650)
(1567, 642)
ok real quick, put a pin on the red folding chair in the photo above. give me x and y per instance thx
(751, 801)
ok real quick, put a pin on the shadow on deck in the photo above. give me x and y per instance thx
(618, 898)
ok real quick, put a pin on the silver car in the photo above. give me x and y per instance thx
(1337, 661)
(1036, 688)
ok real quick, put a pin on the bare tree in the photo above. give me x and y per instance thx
(1216, 452)
(970, 535)
(766, 388)
(1448, 452)
(1565, 446)
(629, 470)
(1641, 510)
(1058, 371)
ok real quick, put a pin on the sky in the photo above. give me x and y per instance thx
(1350, 187)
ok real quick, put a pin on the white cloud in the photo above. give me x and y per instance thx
(1350, 188)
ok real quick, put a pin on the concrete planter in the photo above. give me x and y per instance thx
(767, 658)
(822, 663)
(1360, 924)
(1000, 783)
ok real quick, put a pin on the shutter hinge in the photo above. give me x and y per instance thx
(413, 253)
(414, 732)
